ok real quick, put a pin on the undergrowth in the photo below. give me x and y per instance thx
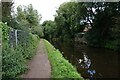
(14, 59)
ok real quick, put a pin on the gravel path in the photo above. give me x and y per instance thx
(39, 66)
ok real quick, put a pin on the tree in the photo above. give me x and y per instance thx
(100, 16)
(19, 19)
(6, 12)
(26, 18)
(68, 19)
(49, 29)
(38, 30)
(32, 16)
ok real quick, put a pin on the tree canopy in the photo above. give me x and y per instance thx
(68, 19)
(102, 17)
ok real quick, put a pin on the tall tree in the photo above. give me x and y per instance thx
(49, 29)
(68, 19)
(32, 15)
(6, 12)
(27, 16)
(100, 15)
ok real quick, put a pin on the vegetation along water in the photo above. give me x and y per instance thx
(86, 36)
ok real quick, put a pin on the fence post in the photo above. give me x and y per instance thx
(16, 37)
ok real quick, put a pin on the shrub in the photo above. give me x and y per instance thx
(14, 58)
(13, 62)
(29, 50)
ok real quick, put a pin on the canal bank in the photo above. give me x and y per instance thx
(61, 68)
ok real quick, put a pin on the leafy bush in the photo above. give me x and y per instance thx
(5, 30)
(14, 58)
(61, 68)
(29, 50)
(0, 51)
(38, 31)
(13, 62)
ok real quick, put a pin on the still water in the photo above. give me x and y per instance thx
(91, 62)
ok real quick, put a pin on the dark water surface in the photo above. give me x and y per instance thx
(91, 62)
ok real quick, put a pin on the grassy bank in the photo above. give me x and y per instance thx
(61, 68)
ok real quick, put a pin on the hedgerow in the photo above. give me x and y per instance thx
(14, 59)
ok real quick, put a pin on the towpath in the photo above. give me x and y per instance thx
(39, 66)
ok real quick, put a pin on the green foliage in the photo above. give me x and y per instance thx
(6, 12)
(73, 17)
(66, 23)
(31, 47)
(115, 33)
(14, 58)
(49, 29)
(38, 31)
(68, 19)
(13, 62)
(0, 52)
(61, 68)
(27, 19)
(104, 27)
(112, 45)
(5, 31)
(32, 15)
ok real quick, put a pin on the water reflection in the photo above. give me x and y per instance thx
(91, 62)
(91, 72)
(85, 63)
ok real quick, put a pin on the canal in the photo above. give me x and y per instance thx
(90, 62)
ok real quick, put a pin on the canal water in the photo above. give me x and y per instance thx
(91, 62)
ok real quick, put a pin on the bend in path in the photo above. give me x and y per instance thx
(39, 66)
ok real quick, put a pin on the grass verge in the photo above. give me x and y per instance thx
(61, 68)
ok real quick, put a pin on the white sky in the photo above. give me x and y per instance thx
(47, 8)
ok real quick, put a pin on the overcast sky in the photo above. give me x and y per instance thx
(47, 8)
